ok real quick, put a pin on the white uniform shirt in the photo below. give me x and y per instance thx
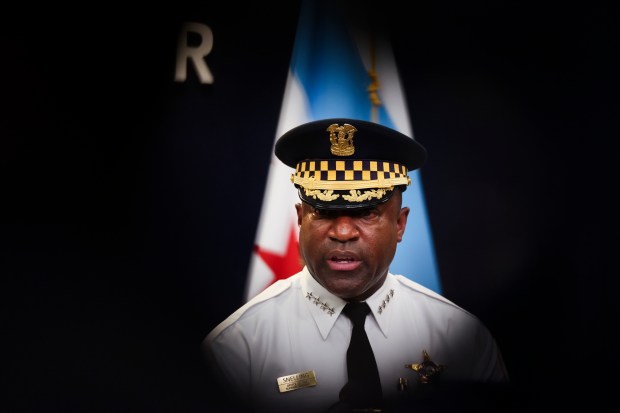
(295, 326)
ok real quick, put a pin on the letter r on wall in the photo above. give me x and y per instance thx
(195, 53)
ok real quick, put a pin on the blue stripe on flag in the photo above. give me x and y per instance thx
(327, 64)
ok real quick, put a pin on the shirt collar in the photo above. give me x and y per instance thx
(381, 303)
(326, 307)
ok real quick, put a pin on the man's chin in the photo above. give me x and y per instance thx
(347, 290)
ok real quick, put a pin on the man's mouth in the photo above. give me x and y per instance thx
(343, 261)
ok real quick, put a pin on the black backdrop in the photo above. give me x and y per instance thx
(130, 201)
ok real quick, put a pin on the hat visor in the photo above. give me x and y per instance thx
(345, 199)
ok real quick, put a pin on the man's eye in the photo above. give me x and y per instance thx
(365, 213)
(368, 213)
(321, 212)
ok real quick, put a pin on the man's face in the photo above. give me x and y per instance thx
(349, 252)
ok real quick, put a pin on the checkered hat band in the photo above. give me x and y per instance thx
(354, 166)
(349, 174)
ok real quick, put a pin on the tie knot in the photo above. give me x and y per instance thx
(357, 312)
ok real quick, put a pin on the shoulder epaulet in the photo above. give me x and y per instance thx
(419, 288)
(273, 290)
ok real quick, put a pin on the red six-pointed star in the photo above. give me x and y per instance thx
(282, 266)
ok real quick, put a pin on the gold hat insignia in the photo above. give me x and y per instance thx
(341, 138)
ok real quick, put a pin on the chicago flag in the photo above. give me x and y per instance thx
(339, 68)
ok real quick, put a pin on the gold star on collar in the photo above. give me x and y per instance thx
(427, 370)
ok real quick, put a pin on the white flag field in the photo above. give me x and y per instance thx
(337, 69)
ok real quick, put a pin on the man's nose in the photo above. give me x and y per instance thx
(344, 228)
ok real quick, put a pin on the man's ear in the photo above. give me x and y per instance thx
(298, 208)
(401, 222)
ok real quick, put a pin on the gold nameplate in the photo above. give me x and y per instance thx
(297, 381)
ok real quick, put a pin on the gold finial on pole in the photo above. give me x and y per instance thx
(374, 85)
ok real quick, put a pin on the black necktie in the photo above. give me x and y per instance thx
(363, 390)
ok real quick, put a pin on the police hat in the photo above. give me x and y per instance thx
(345, 163)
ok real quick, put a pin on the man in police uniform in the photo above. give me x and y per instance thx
(286, 349)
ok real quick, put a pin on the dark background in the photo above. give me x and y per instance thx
(130, 201)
